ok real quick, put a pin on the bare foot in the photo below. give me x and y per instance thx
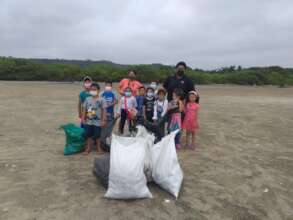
(86, 152)
(193, 146)
(100, 152)
(186, 146)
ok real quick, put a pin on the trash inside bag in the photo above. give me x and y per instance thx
(166, 171)
(143, 133)
(75, 139)
(126, 178)
(102, 168)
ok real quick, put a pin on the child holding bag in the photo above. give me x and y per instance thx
(127, 111)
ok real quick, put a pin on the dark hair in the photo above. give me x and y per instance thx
(128, 88)
(150, 88)
(108, 82)
(96, 85)
(181, 63)
(87, 78)
(161, 90)
(134, 71)
(142, 87)
(179, 93)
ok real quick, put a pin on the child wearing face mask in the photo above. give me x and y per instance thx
(93, 118)
(160, 110)
(149, 103)
(140, 103)
(127, 111)
(111, 99)
(87, 81)
(175, 108)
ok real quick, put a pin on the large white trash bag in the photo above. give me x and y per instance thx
(143, 133)
(166, 170)
(126, 178)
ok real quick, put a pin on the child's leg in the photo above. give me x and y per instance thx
(97, 136)
(187, 137)
(98, 144)
(177, 140)
(89, 141)
(161, 130)
(122, 121)
(132, 124)
(193, 139)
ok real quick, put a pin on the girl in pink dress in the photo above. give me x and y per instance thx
(190, 123)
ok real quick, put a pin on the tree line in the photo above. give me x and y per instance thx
(73, 70)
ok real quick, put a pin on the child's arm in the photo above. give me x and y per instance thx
(165, 109)
(103, 116)
(144, 115)
(155, 116)
(79, 108)
(181, 106)
(118, 112)
(83, 116)
(134, 102)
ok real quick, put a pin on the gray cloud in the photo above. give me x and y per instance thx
(204, 33)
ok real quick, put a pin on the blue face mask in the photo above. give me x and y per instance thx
(128, 94)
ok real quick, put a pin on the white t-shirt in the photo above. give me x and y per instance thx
(160, 108)
(130, 103)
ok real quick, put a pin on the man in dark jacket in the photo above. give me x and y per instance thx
(178, 81)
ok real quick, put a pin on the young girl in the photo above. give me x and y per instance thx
(127, 111)
(190, 123)
(175, 107)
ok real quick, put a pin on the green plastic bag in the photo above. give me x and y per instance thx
(75, 139)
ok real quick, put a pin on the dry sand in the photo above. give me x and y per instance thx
(243, 168)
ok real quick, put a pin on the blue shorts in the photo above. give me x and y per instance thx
(82, 125)
(92, 131)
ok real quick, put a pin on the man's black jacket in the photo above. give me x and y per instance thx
(174, 82)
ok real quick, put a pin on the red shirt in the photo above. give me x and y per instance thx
(133, 84)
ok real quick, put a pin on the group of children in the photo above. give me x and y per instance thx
(148, 106)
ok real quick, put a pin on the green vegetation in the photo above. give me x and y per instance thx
(73, 70)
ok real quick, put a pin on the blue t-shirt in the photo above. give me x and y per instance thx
(110, 99)
(140, 103)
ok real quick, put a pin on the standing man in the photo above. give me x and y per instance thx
(130, 82)
(178, 81)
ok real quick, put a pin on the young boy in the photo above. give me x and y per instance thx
(127, 110)
(111, 100)
(93, 117)
(140, 103)
(149, 104)
(87, 81)
(160, 109)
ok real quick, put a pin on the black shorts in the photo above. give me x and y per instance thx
(93, 131)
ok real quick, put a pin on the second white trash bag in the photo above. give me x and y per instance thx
(143, 133)
(126, 178)
(166, 170)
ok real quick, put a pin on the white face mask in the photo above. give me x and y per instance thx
(87, 85)
(108, 88)
(93, 93)
(150, 94)
(127, 94)
(153, 85)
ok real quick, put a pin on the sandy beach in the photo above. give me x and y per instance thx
(242, 170)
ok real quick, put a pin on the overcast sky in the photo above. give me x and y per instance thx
(204, 33)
